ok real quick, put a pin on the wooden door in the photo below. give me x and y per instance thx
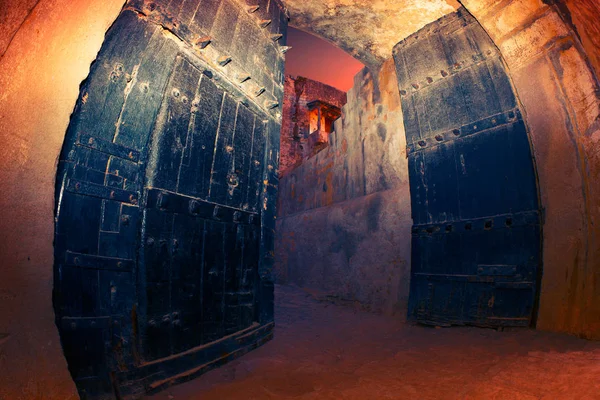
(165, 193)
(476, 238)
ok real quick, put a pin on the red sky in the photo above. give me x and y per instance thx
(317, 59)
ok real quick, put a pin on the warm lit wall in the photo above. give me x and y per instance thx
(585, 19)
(40, 74)
(297, 93)
(344, 214)
(555, 82)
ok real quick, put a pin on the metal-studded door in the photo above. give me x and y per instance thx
(165, 196)
(476, 238)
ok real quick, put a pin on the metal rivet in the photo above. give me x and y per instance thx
(271, 104)
(125, 220)
(91, 141)
(224, 60)
(415, 86)
(119, 264)
(511, 115)
(232, 180)
(112, 194)
(194, 207)
(439, 138)
(403, 92)
(456, 132)
(150, 241)
(243, 78)
(422, 143)
(429, 79)
(203, 41)
(130, 155)
(175, 93)
(77, 186)
(77, 261)
(163, 200)
(132, 199)
(494, 121)
(444, 73)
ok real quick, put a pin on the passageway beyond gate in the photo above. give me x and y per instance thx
(325, 349)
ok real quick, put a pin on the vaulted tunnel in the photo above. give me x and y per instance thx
(182, 201)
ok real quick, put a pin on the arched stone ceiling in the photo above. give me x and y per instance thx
(367, 29)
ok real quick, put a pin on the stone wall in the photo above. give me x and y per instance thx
(553, 73)
(344, 215)
(297, 93)
(583, 17)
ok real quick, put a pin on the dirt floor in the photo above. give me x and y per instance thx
(328, 351)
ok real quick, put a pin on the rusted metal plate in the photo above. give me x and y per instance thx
(476, 238)
(165, 194)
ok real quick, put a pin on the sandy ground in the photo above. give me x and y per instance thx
(328, 351)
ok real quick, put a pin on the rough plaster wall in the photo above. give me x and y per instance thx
(356, 251)
(298, 92)
(367, 29)
(12, 15)
(40, 74)
(585, 17)
(344, 215)
(561, 97)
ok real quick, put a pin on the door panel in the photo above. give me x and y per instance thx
(165, 198)
(476, 238)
